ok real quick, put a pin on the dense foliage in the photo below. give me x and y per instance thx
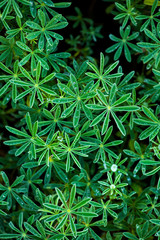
(80, 134)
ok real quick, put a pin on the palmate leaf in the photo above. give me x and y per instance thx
(34, 86)
(72, 150)
(76, 98)
(111, 106)
(27, 140)
(43, 31)
(103, 74)
(101, 146)
(124, 43)
(126, 13)
(67, 211)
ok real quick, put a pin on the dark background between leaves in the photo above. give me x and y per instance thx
(100, 12)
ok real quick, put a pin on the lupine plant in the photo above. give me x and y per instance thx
(80, 120)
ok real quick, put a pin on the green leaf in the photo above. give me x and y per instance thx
(112, 93)
(149, 132)
(72, 195)
(76, 139)
(149, 162)
(113, 214)
(5, 11)
(153, 171)
(9, 236)
(130, 236)
(33, 35)
(68, 110)
(62, 223)
(68, 163)
(76, 116)
(98, 119)
(121, 100)
(105, 123)
(86, 214)
(52, 206)
(5, 178)
(33, 25)
(94, 68)
(102, 97)
(23, 46)
(63, 100)
(149, 114)
(81, 204)
(31, 229)
(6, 69)
(18, 181)
(73, 227)
(62, 4)
(111, 68)
(66, 89)
(35, 128)
(151, 35)
(29, 122)
(16, 9)
(47, 90)
(54, 217)
(119, 123)
(101, 62)
(95, 236)
(61, 197)
(155, 221)
(74, 83)
(17, 132)
(126, 108)
(23, 94)
(47, 78)
(4, 88)
(76, 161)
(38, 72)
(26, 74)
(40, 228)
(95, 107)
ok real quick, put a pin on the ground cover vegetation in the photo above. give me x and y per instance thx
(80, 120)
